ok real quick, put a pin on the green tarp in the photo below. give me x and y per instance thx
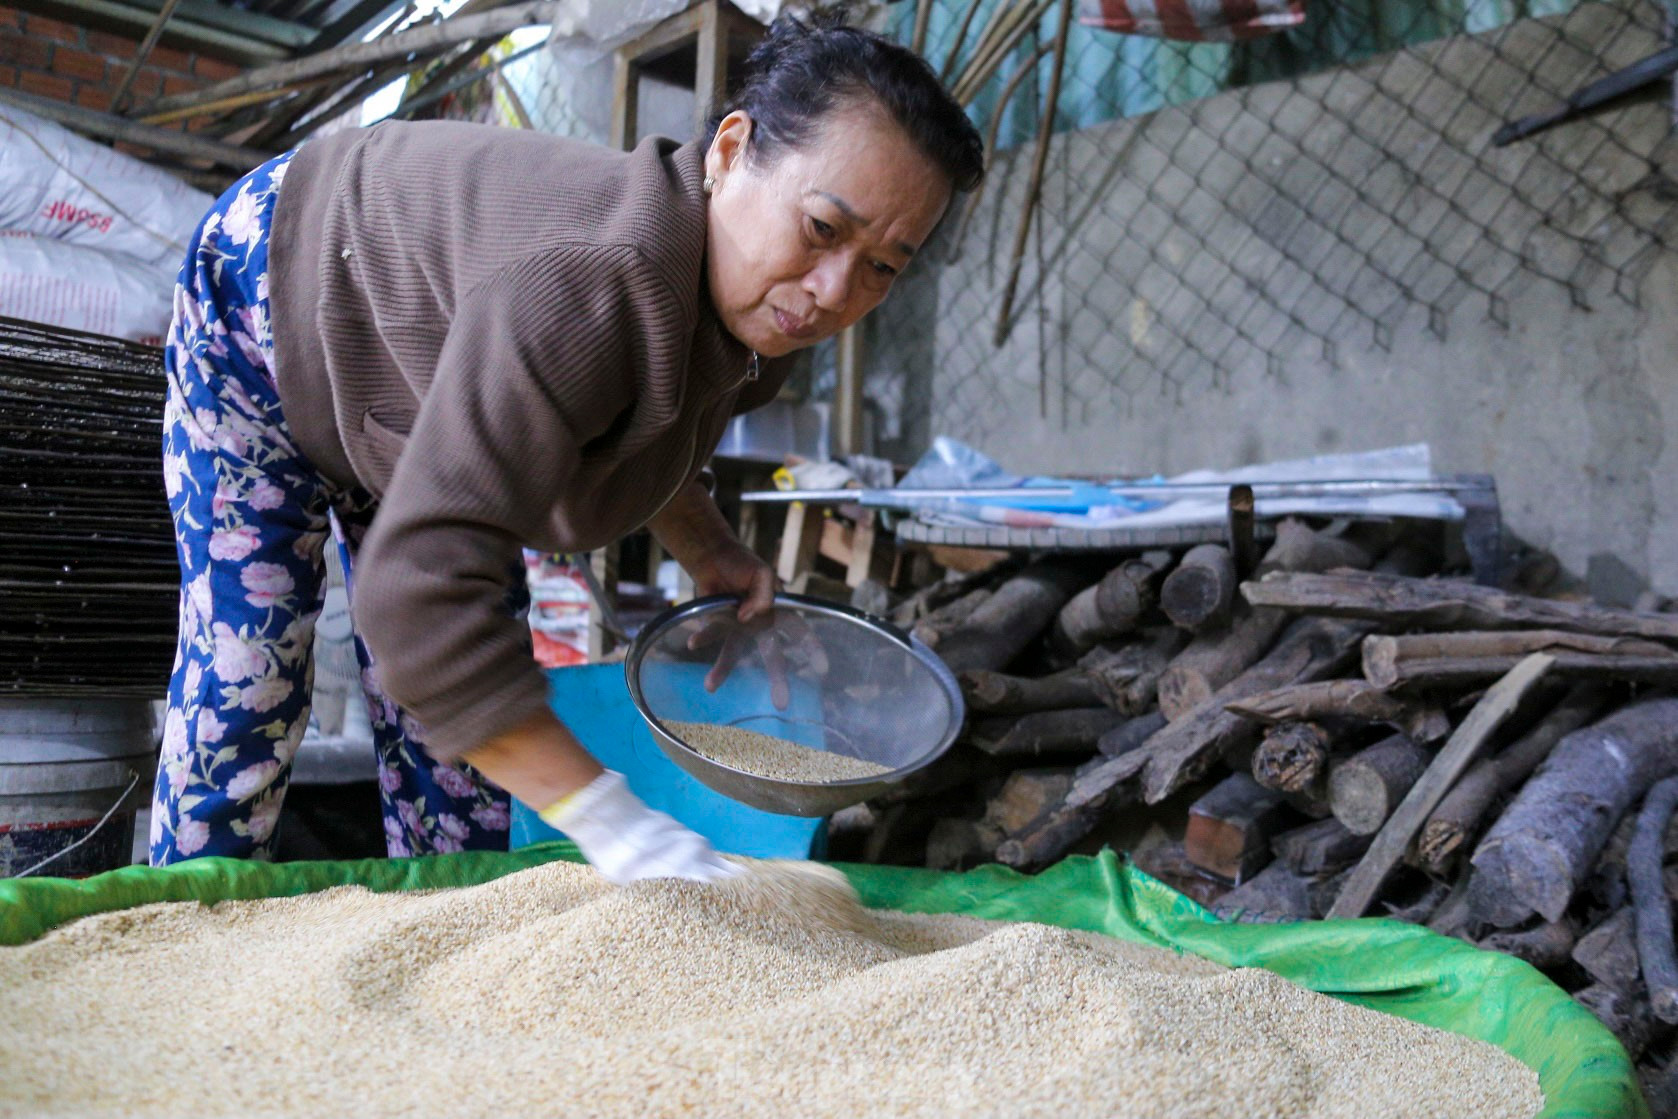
(1386, 965)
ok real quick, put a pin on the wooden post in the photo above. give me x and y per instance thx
(604, 564)
(847, 396)
(1496, 705)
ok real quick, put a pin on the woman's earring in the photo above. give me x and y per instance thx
(708, 184)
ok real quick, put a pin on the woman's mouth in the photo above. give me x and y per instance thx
(793, 327)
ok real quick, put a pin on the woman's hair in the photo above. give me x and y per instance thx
(806, 68)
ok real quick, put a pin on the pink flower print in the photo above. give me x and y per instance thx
(266, 582)
(266, 495)
(156, 836)
(191, 835)
(201, 429)
(243, 219)
(453, 782)
(210, 728)
(177, 777)
(175, 743)
(264, 695)
(174, 472)
(492, 817)
(234, 543)
(452, 826)
(198, 593)
(389, 779)
(235, 659)
(226, 494)
(194, 679)
(410, 816)
(396, 843)
(446, 845)
(263, 818)
(252, 780)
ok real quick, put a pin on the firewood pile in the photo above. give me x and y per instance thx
(1345, 730)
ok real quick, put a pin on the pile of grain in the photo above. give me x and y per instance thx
(768, 756)
(772, 994)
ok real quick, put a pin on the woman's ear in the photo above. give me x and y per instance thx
(729, 145)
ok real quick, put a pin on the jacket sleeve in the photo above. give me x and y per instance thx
(540, 359)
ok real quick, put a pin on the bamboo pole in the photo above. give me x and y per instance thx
(105, 126)
(1045, 129)
(359, 56)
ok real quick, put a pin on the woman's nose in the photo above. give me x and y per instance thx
(830, 282)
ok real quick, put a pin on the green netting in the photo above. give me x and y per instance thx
(1386, 965)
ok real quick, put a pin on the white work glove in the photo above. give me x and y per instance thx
(627, 841)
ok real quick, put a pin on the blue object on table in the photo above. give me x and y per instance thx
(594, 702)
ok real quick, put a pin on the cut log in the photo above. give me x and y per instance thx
(1046, 734)
(1310, 649)
(1459, 817)
(1298, 547)
(1215, 658)
(960, 844)
(1319, 848)
(1098, 787)
(996, 693)
(1198, 594)
(1127, 737)
(1402, 602)
(1500, 701)
(1649, 899)
(961, 765)
(1364, 789)
(1543, 846)
(1452, 918)
(1547, 944)
(1419, 908)
(1608, 953)
(1114, 606)
(1025, 798)
(1007, 622)
(1230, 827)
(1347, 700)
(1126, 677)
(1461, 660)
(1169, 863)
(1275, 895)
(950, 617)
(1293, 758)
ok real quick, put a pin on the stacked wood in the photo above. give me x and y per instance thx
(1327, 741)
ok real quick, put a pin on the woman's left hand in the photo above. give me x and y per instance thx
(733, 568)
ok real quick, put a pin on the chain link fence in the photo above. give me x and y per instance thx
(1288, 200)
(1222, 213)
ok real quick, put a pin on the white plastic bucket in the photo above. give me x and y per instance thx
(73, 773)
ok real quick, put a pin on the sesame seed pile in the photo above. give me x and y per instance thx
(549, 992)
(768, 756)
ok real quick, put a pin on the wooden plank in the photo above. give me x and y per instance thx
(189, 34)
(105, 126)
(1459, 752)
(355, 57)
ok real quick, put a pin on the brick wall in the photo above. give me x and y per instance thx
(50, 58)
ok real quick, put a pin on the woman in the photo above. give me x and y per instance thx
(445, 341)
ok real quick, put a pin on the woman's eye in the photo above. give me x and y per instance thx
(884, 270)
(821, 228)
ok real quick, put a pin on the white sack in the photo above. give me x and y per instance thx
(69, 285)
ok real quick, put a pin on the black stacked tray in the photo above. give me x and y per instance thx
(88, 576)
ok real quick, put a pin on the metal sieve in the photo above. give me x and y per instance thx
(812, 672)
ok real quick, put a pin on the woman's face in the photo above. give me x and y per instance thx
(802, 248)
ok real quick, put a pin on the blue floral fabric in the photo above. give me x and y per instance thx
(251, 521)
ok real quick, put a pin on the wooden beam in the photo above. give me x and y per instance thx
(132, 22)
(1499, 702)
(360, 56)
(104, 126)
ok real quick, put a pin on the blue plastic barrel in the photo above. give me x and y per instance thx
(594, 702)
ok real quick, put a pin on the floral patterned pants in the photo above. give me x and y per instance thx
(251, 522)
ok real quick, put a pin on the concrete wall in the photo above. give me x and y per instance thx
(1339, 263)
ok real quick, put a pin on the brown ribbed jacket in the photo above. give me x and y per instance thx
(506, 337)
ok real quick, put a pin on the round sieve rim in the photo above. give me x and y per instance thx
(922, 653)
